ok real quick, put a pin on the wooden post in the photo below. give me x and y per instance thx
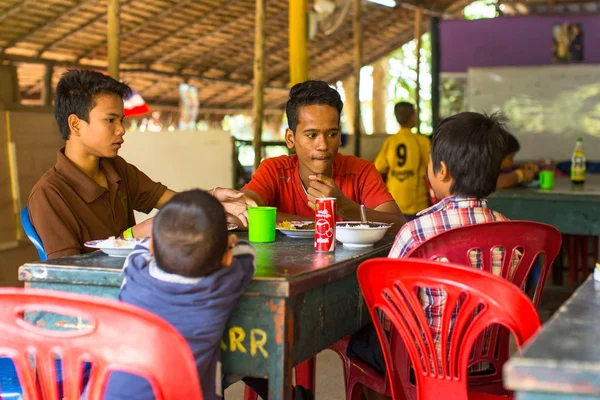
(297, 38)
(47, 88)
(418, 25)
(379, 95)
(357, 65)
(259, 81)
(113, 37)
(435, 70)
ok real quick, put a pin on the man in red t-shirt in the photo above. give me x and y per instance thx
(292, 183)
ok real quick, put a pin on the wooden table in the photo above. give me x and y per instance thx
(572, 209)
(563, 360)
(299, 303)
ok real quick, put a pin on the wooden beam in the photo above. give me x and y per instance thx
(298, 37)
(174, 107)
(36, 28)
(426, 11)
(259, 81)
(47, 86)
(15, 8)
(138, 27)
(277, 42)
(83, 25)
(169, 35)
(372, 54)
(113, 36)
(244, 44)
(127, 69)
(418, 33)
(358, 53)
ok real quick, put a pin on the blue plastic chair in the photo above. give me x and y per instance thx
(32, 234)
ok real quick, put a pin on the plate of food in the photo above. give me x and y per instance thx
(297, 229)
(114, 247)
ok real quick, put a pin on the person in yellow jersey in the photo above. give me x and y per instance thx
(403, 158)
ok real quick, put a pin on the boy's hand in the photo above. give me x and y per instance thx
(143, 229)
(323, 186)
(232, 241)
(235, 203)
(534, 168)
(528, 174)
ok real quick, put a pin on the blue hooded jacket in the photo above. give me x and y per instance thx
(197, 307)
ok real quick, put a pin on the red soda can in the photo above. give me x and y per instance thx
(325, 224)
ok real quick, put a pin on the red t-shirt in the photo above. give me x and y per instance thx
(277, 182)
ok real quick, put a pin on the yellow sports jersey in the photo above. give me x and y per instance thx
(404, 157)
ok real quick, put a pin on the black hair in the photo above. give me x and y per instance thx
(310, 93)
(76, 92)
(190, 234)
(403, 112)
(512, 145)
(471, 145)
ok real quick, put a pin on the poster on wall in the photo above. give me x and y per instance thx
(188, 106)
(567, 42)
(453, 94)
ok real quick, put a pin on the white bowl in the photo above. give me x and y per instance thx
(355, 234)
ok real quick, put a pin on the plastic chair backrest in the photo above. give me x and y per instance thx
(530, 238)
(392, 286)
(116, 336)
(32, 234)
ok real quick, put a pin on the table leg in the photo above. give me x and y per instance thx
(280, 360)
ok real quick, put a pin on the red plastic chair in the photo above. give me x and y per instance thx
(116, 336)
(483, 299)
(455, 245)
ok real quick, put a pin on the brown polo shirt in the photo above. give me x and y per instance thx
(67, 208)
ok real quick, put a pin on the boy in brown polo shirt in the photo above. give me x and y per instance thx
(91, 192)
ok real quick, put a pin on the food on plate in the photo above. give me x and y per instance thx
(296, 225)
(117, 242)
(362, 225)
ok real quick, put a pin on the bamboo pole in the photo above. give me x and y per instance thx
(435, 71)
(379, 95)
(297, 38)
(47, 88)
(418, 26)
(357, 33)
(259, 81)
(113, 38)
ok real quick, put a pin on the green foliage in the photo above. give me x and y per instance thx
(402, 78)
(481, 9)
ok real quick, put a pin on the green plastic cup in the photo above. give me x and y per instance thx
(546, 180)
(261, 224)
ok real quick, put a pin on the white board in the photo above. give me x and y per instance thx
(181, 160)
(548, 107)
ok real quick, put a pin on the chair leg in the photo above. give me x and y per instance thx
(585, 265)
(305, 374)
(355, 392)
(595, 249)
(572, 260)
(249, 394)
(558, 267)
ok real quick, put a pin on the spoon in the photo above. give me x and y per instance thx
(363, 214)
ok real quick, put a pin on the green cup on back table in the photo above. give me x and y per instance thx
(546, 180)
(261, 224)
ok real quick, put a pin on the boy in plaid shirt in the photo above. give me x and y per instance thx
(464, 164)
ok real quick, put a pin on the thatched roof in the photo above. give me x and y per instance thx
(207, 42)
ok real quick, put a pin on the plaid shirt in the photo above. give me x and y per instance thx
(452, 212)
